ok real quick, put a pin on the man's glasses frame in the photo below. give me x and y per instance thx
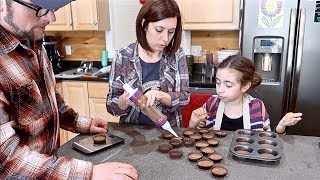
(39, 10)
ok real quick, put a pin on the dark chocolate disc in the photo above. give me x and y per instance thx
(175, 142)
(175, 153)
(165, 147)
(167, 135)
(188, 142)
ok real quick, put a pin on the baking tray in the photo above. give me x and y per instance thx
(259, 145)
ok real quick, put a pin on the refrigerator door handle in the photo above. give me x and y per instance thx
(290, 58)
(297, 71)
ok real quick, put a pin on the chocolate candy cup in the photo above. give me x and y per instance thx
(194, 156)
(207, 150)
(215, 157)
(221, 133)
(201, 144)
(218, 171)
(188, 132)
(213, 142)
(204, 130)
(207, 136)
(176, 142)
(99, 139)
(196, 137)
(188, 142)
(165, 147)
(175, 153)
(205, 163)
(167, 135)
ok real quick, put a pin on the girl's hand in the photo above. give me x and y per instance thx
(198, 118)
(290, 119)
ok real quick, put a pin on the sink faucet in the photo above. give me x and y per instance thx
(85, 66)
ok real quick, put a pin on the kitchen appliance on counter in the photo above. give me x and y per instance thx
(49, 43)
(282, 41)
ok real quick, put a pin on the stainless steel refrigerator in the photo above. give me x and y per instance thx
(282, 38)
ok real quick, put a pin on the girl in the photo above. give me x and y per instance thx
(232, 108)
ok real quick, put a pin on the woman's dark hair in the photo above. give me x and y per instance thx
(245, 66)
(157, 10)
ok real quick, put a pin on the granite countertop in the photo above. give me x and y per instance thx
(300, 158)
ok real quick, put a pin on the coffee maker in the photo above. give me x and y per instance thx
(49, 43)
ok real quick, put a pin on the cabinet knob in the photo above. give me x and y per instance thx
(95, 23)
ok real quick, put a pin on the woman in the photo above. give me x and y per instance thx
(155, 64)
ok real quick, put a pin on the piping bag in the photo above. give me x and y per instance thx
(136, 96)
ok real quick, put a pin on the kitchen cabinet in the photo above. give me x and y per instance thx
(86, 98)
(97, 101)
(82, 15)
(210, 14)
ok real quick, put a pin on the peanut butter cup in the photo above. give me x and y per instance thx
(218, 171)
(99, 139)
(188, 133)
(207, 150)
(221, 133)
(165, 147)
(204, 130)
(194, 156)
(196, 137)
(215, 157)
(175, 153)
(213, 142)
(206, 136)
(205, 163)
(201, 144)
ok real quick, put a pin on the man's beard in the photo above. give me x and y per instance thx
(21, 33)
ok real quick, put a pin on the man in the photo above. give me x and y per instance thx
(31, 112)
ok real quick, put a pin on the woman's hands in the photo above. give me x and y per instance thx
(124, 101)
(289, 119)
(156, 95)
(198, 118)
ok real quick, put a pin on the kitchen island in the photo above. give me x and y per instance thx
(300, 158)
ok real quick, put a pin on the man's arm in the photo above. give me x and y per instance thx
(18, 161)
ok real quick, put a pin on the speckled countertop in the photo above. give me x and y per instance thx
(300, 159)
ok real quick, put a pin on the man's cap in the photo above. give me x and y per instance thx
(51, 4)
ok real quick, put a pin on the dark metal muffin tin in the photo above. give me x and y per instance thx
(259, 145)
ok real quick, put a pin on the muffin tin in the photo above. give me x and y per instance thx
(259, 145)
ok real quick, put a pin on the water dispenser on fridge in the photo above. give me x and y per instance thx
(268, 57)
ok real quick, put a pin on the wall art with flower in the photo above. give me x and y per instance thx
(271, 13)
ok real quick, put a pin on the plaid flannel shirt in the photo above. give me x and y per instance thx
(174, 80)
(31, 113)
